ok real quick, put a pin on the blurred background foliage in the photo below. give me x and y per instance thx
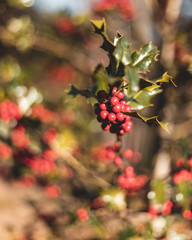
(45, 46)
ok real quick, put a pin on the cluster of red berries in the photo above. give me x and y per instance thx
(183, 175)
(130, 181)
(165, 209)
(111, 111)
(126, 8)
(9, 111)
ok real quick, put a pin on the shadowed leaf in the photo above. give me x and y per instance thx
(100, 79)
(100, 28)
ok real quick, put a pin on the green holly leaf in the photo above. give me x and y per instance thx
(149, 121)
(100, 79)
(143, 98)
(100, 28)
(121, 51)
(86, 93)
(126, 233)
(165, 79)
(133, 80)
(143, 59)
(159, 187)
(184, 189)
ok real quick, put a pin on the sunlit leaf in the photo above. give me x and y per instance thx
(133, 79)
(115, 198)
(122, 52)
(159, 187)
(149, 121)
(143, 59)
(165, 79)
(143, 98)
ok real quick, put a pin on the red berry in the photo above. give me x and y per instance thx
(82, 214)
(104, 114)
(120, 116)
(123, 102)
(187, 214)
(102, 94)
(128, 153)
(114, 101)
(118, 161)
(122, 107)
(121, 132)
(111, 117)
(127, 118)
(116, 108)
(120, 95)
(105, 126)
(129, 123)
(103, 106)
(114, 90)
(116, 146)
(127, 128)
(128, 108)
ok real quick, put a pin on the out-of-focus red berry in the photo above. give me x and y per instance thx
(183, 175)
(82, 214)
(9, 111)
(49, 135)
(128, 153)
(19, 138)
(180, 162)
(5, 151)
(118, 161)
(52, 191)
(187, 214)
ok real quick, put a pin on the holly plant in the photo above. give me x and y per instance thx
(120, 90)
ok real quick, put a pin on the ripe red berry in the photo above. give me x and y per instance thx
(116, 108)
(123, 102)
(102, 94)
(103, 114)
(127, 118)
(128, 108)
(122, 107)
(105, 126)
(114, 90)
(103, 106)
(111, 117)
(120, 116)
(118, 161)
(121, 132)
(120, 95)
(127, 128)
(129, 123)
(114, 101)
(116, 146)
